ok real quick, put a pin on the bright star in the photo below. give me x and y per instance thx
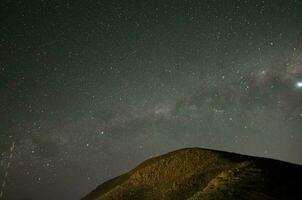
(299, 84)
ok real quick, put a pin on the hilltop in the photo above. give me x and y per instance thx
(203, 174)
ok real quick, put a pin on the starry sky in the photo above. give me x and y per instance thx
(89, 89)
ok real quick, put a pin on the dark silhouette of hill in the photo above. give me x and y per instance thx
(202, 174)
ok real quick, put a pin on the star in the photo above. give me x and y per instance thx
(299, 84)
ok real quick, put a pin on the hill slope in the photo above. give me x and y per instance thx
(201, 174)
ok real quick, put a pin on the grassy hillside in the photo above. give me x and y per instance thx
(193, 174)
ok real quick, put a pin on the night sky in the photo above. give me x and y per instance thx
(89, 89)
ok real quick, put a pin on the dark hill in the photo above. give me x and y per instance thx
(201, 174)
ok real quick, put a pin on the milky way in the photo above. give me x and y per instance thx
(90, 89)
